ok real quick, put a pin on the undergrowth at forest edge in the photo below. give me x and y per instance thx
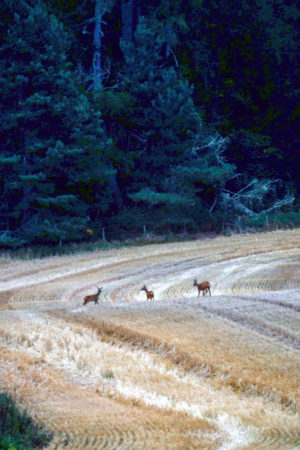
(17, 429)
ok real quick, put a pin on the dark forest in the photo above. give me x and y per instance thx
(171, 116)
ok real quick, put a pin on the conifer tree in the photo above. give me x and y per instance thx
(165, 116)
(52, 150)
(171, 178)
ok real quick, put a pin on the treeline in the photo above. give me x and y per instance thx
(122, 114)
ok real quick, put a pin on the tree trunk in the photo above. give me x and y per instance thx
(97, 69)
(167, 32)
(114, 185)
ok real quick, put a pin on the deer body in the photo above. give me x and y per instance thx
(92, 298)
(204, 287)
(150, 294)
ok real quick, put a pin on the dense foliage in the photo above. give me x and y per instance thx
(171, 115)
(17, 429)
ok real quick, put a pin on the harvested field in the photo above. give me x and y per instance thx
(179, 372)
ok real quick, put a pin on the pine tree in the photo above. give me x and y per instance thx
(52, 141)
(165, 118)
(172, 178)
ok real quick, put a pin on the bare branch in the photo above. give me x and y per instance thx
(214, 204)
(287, 200)
(174, 56)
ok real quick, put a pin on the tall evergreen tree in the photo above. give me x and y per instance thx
(164, 131)
(165, 118)
(53, 149)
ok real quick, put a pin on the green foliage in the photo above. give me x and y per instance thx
(62, 228)
(155, 198)
(9, 239)
(204, 173)
(54, 167)
(178, 160)
(274, 220)
(147, 149)
(17, 430)
(165, 119)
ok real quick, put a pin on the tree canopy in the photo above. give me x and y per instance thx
(122, 114)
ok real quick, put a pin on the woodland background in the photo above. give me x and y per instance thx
(171, 115)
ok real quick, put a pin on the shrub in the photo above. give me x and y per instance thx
(17, 429)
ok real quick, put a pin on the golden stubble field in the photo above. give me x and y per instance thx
(179, 372)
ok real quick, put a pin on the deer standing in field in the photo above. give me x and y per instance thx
(204, 286)
(150, 294)
(92, 298)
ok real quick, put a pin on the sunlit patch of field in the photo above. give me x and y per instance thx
(179, 372)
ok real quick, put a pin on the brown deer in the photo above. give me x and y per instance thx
(204, 286)
(92, 298)
(150, 294)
